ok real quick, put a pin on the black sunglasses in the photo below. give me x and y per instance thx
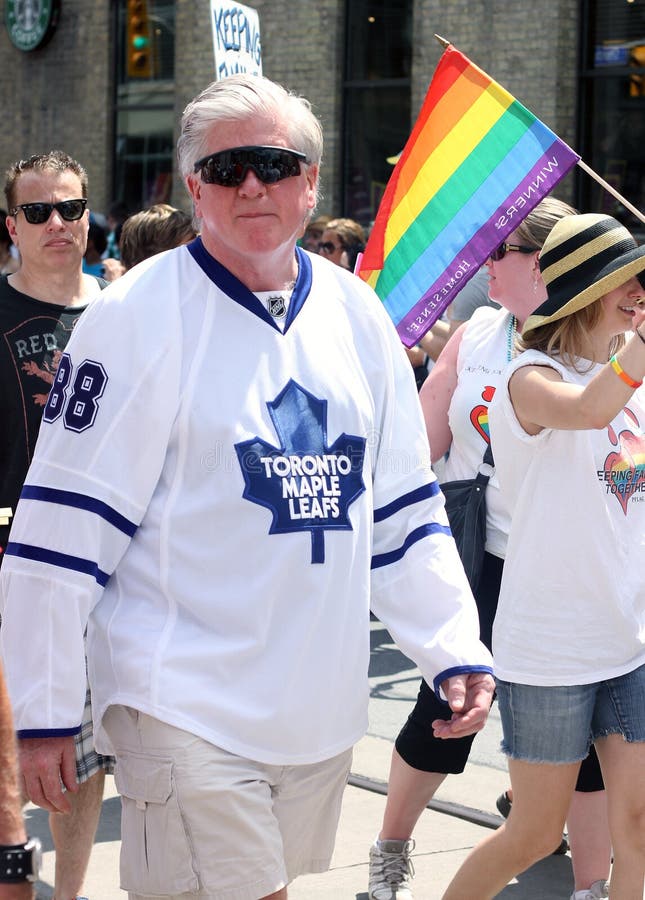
(37, 213)
(503, 249)
(328, 248)
(228, 168)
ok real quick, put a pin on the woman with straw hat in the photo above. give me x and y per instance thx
(455, 399)
(568, 428)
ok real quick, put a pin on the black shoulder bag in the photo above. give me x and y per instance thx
(466, 510)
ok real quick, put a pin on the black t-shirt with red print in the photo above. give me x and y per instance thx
(33, 336)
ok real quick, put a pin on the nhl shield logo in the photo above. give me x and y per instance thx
(277, 307)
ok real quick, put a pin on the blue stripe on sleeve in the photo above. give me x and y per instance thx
(420, 493)
(79, 501)
(62, 560)
(456, 670)
(386, 559)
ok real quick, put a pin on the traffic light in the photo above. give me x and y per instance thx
(139, 43)
(637, 82)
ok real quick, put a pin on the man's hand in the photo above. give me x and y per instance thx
(44, 764)
(469, 697)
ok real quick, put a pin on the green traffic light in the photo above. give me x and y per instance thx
(140, 42)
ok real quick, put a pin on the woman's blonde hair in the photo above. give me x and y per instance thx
(569, 339)
(535, 228)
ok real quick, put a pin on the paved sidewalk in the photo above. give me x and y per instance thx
(443, 838)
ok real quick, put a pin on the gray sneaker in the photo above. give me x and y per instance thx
(391, 870)
(597, 891)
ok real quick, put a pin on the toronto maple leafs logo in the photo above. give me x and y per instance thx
(307, 485)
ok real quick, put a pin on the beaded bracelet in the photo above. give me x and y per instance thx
(618, 369)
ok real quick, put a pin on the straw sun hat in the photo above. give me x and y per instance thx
(583, 258)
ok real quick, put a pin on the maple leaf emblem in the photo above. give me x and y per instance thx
(307, 485)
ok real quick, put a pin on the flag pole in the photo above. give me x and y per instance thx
(444, 43)
(612, 190)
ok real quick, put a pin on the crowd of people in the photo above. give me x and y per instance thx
(204, 617)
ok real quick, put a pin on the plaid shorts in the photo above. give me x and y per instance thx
(88, 761)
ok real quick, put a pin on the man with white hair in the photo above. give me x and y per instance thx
(238, 450)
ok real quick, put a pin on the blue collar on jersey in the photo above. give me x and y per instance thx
(238, 292)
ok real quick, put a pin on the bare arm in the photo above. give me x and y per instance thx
(435, 340)
(415, 355)
(436, 394)
(12, 826)
(542, 400)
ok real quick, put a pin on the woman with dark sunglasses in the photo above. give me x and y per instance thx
(342, 241)
(455, 400)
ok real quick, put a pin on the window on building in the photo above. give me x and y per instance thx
(376, 100)
(613, 107)
(144, 78)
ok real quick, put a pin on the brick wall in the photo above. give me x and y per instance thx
(59, 97)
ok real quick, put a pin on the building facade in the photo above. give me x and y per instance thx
(113, 97)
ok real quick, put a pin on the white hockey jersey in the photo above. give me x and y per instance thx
(225, 500)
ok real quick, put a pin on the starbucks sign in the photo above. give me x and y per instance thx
(31, 23)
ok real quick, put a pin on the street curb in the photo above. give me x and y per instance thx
(467, 813)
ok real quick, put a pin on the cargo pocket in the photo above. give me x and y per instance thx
(156, 853)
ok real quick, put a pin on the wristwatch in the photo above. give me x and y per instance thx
(20, 862)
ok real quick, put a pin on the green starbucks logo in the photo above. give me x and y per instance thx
(31, 23)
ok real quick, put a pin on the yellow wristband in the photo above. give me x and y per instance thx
(622, 374)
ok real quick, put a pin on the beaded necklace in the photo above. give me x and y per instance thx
(511, 334)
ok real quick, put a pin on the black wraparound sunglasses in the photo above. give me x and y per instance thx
(37, 213)
(327, 247)
(503, 249)
(229, 168)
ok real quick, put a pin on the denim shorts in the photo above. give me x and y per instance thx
(558, 724)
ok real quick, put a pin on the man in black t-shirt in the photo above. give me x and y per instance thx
(34, 334)
(39, 306)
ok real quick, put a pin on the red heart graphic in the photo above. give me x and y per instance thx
(479, 414)
(625, 468)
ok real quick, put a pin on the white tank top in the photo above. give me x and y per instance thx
(484, 353)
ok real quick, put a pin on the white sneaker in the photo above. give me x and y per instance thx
(597, 891)
(391, 870)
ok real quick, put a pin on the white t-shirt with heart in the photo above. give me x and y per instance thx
(572, 602)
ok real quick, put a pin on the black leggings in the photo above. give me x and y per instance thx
(416, 743)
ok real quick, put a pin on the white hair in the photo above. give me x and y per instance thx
(242, 97)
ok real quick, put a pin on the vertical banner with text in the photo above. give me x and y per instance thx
(236, 39)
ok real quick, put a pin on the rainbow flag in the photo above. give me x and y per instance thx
(475, 165)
